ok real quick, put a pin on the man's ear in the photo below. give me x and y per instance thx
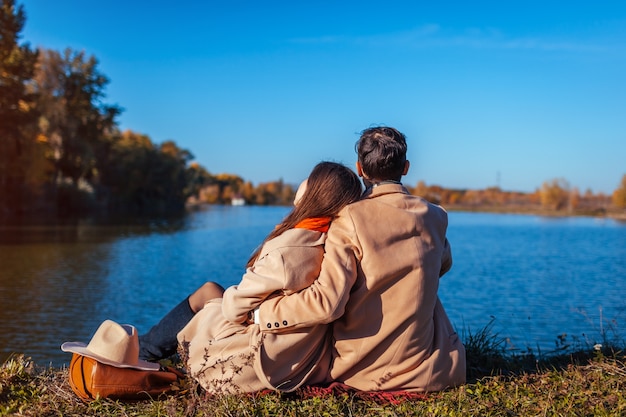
(359, 169)
(406, 167)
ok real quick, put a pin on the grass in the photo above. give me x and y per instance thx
(589, 380)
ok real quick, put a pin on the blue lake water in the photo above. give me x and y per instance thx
(536, 277)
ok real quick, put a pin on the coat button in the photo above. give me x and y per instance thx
(269, 325)
(284, 322)
(276, 324)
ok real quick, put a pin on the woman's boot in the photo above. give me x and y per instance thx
(160, 342)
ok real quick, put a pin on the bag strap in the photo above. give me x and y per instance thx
(82, 374)
(179, 374)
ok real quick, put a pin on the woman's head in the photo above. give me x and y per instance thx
(329, 188)
(299, 193)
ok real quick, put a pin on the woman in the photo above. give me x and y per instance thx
(224, 349)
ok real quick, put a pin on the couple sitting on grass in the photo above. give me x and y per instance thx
(343, 290)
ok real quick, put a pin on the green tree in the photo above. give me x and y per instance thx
(172, 175)
(619, 195)
(21, 154)
(123, 173)
(74, 119)
(141, 177)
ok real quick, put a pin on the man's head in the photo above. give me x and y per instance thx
(381, 155)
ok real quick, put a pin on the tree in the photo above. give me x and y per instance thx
(172, 175)
(229, 186)
(420, 189)
(21, 154)
(619, 195)
(247, 192)
(74, 120)
(287, 194)
(574, 199)
(197, 178)
(555, 194)
(431, 193)
(124, 172)
(143, 178)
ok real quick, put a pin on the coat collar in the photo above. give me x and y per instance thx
(382, 188)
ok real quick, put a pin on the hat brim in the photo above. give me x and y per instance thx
(81, 349)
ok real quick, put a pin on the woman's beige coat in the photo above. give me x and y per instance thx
(379, 281)
(226, 354)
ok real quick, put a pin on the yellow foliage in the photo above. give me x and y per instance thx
(554, 194)
(228, 177)
(133, 139)
(23, 106)
(619, 195)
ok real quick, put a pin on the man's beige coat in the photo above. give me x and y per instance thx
(379, 281)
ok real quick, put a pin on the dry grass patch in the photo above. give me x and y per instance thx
(597, 388)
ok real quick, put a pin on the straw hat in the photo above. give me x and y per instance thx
(113, 344)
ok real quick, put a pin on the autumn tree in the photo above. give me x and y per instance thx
(288, 193)
(197, 179)
(247, 192)
(431, 193)
(574, 199)
(619, 195)
(210, 194)
(230, 186)
(21, 154)
(554, 194)
(420, 189)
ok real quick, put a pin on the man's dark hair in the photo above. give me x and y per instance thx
(382, 153)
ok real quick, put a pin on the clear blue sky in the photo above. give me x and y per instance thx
(508, 93)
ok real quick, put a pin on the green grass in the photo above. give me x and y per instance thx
(584, 380)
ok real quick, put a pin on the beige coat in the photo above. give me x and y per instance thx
(226, 354)
(379, 280)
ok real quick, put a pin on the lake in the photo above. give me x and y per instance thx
(535, 279)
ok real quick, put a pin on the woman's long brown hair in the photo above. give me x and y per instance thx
(330, 187)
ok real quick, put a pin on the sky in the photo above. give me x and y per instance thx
(488, 93)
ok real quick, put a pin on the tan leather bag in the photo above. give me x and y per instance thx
(91, 379)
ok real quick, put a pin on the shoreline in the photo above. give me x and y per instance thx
(618, 215)
(32, 218)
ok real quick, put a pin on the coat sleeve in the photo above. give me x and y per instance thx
(446, 258)
(323, 301)
(261, 280)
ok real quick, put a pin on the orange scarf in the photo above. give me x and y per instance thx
(318, 224)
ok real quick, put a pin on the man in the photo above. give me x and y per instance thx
(378, 283)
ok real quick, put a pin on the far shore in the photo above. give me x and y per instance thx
(29, 219)
(615, 214)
